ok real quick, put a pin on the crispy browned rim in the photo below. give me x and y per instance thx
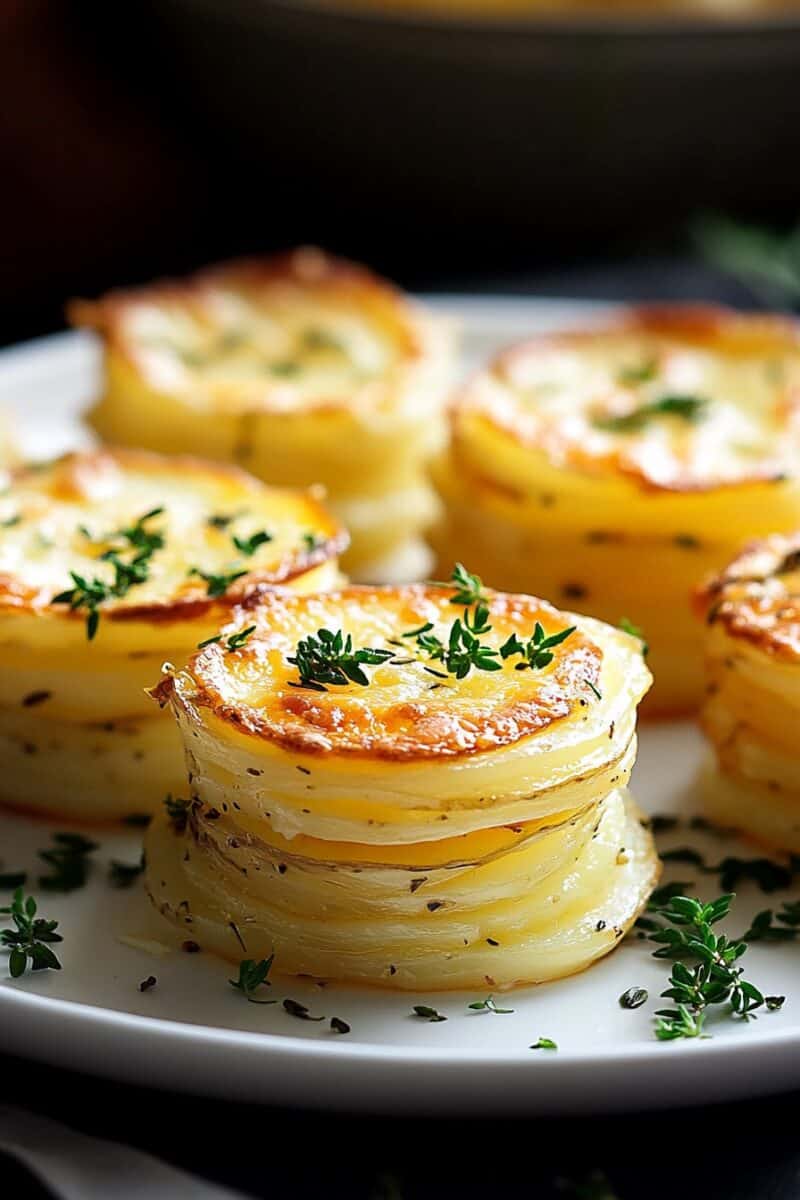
(750, 600)
(19, 599)
(694, 323)
(306, 265)
(434, 731)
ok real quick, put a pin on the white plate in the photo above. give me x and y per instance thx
(194, 1032)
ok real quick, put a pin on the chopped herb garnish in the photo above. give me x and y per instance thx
(90, 593)
(284, 368)
(217, 585)
(339, 1026)
(10, 522)
(427, 1013)
(488, 1005)
(69, 860)
(295, 1009)
(329, 658)
(537, 652)
(313, 541)
(635, 997)
(221, 520)
(234, 642)
(686, 407)
(544, 1043)
(774, 1003)
(598, 695)
(249, 545)
(122, 875)
(252, 976)
(31, 937)
(177, 812)
(148, 983)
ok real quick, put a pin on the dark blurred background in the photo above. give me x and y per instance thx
(150, 138)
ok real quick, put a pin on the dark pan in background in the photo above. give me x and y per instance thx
(468, 134)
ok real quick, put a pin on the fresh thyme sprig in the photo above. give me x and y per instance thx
(69, 860)
(488, 1005)
(249, 545)
(544, 1043)
(469, 587)
(704, 966)
(687, 408)
(234, 642)
(91, 593)
(31, 937)
(537, 652)
(217, 585)
(330, 658)
(252, 976)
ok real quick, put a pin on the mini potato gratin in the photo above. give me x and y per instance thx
(752, 703)
(303, 369)
(614, 467)
(111, 562)
(412, 787)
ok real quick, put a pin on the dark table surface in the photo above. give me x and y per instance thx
(742, 1151)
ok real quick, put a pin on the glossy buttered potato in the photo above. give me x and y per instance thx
(613, 467)
(752, 703)
(110, 563)
(302, 368)
(370, 809)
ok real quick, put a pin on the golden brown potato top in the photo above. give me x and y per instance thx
(151, 536)
(299, 331)
(757, 597)
(683, 399)
(406, 701)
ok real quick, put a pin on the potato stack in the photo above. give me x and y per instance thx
(110, 563)
(418, 787)
(752, 707)
(613, 467)
(303, 369)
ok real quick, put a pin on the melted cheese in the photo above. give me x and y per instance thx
(61, 519)
(408, 711)
(573, 398)
(294, 333)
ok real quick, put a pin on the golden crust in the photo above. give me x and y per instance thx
(257, 307)
(554, 393)
(756, 598)
(405, 714)
(46, 509)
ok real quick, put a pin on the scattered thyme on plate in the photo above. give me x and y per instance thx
(30, 939)
(705, 971)
(427, 1013)
(488, 1005)
(252, 976)
(69, 860)
(687, 408)
(234, 642)
(217, 585)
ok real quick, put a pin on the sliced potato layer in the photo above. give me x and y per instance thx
(110, 563)
(752, 706)
(611, 468)
(332, 819)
